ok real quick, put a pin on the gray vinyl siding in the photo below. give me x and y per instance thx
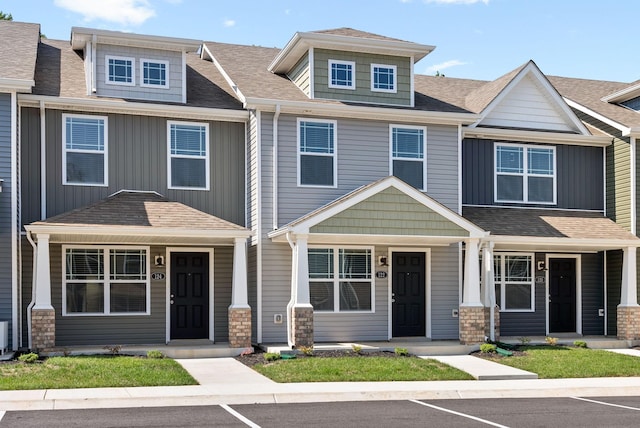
(276, 289)
(445, 295)
(252, 216)
(6, 213)
(301, 75)
(362, 91)
(579, 175)
(592, 293)
(174, 76)
(137, 160)
(26, 287)
(222, 286)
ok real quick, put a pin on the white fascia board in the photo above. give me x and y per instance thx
(16, 85)
(538, 137)
(133, 108)
(624, 129)
(206, 53)
(92, 230)
(623, 95)
(362, 112)
(366, 239)
(80, 36)
(591, 244)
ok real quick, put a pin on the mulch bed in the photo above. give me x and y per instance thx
(258, 356)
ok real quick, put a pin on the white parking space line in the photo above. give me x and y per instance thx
(2, 413)
(240, 417)
(606, 404)
(464, 415)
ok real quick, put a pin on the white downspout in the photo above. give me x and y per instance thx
(33, 287)
(632, 140)
(43, 162)
(94, 62)
(14, 220)
(275, 167)
(292, 300)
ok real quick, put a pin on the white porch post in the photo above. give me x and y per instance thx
(629, 292)
(488, 279)
(301, 311)
(239, 296)
(471, 287)
(43, 275)
(301, 297)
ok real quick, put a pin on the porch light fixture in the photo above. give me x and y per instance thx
(159, 261)
(1, 184)
(382, 260)
(540, 265)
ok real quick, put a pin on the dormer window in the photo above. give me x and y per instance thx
(342, 74)
(383, 78)
(154, 73)
(120, 70)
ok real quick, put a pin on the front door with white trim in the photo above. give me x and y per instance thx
(408, 294)
(189, 296)
(562, 295)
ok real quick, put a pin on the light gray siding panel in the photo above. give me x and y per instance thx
(276, 289)
(222, 279)
(592, 293)
(171, 94)
(301, 74)
(6, 214)
(445, 295)
(442, 165)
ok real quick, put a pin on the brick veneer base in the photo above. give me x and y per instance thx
(496, 322)
(239, 327)
(302, 327)
(628, 322)
(43, 329)
(471, 324)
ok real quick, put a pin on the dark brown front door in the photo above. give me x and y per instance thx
(189, 295)
(562, 295)
(408, 294)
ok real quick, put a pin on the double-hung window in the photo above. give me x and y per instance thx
(188, 157)
(342, 74)
(84, 154)
(317, 164)
(383, 78)
(525, 173)
(340, 279)
(154, 73)
(514, 282)
(120, 70)
(408, 154)
(106, 281)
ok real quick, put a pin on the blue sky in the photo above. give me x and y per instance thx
(475, 39)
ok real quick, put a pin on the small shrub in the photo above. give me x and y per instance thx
(488, 348)
(401, 352)
(580, 343)
(114, 349)
(271, 356)
(356, 349)
(306, 350)
(29, 358)
(524, 340)
(155, 354)
(553, 341)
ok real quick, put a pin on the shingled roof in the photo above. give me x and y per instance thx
(18, 48)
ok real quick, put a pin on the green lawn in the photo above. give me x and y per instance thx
(354, 369)
(553, 362)
(93, 372)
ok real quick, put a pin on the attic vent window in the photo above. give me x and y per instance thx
(341, 74)
(120, 70)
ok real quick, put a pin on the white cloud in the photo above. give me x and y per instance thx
(229, 23)
(174, 1)
(125, 12)
(456, 1)
(443, 65)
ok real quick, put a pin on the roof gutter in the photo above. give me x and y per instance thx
(538, 137)
(18, 85)
(90, 229)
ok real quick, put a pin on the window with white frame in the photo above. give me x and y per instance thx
(342, 74)
(317, 163)
(106, 281)
(188, 159)
(154, 73)
(514, 282)
(120, 70)
(383, 78)
(408, 157)
(340, 279)
(84, 153)
(525, 173)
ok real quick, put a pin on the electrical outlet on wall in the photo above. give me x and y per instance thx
(277, 318)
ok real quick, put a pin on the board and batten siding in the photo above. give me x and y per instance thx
(362, 76)
(6, 213)
(137, 160)
(527, 106)
(579, 175)
(174, 76)
(301, 75)
(592, 293)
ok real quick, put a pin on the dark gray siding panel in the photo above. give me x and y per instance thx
(5, 213)
(592, 293)
(223, 272)
(27, 284)
(579, 175)
(614, 279)
(30, 163)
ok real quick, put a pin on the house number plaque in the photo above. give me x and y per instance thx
(157, 276)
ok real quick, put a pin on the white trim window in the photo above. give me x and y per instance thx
(341, 279)
(514, 281)
(408, 154)
(188, 155)
(342, 74)
(84, 150)
(119, 70)
(154, 73)
(383, 78)
(105, 281)
(525, 173)
(317, 161)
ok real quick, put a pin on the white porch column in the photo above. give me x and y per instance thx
(629, 292)
(301, 261)
(471, 287)
(43, 275)
(239, 296)
(488, 290)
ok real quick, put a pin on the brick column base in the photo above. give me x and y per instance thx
(43, 329)
(471, 324)
(496, 322)
(302, 327)
(628, 322)
(239, 327)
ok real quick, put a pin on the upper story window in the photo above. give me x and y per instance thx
(525, 173)
(383, 78)
(120, 70)
(188, 159)
(317, 162)
(342, 74)
(340, 279)
(84, 153)
(408, 157)
(154, 73)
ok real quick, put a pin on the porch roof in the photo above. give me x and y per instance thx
(138, 217)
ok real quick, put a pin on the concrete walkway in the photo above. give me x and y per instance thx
(483, 369)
